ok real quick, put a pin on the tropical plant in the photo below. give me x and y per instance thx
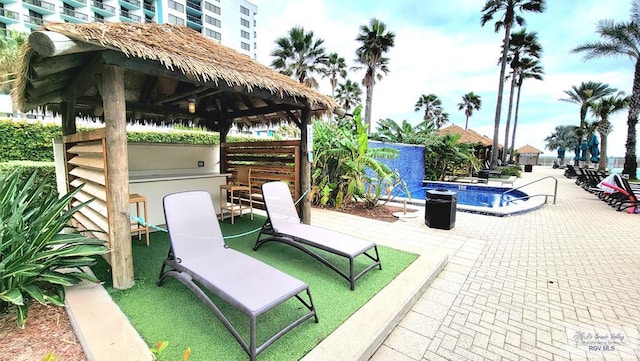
(375, 41)
(387, 130)
(158, 351)
(34, 250)
(345, 168)
(469, 103)
(521, 44)
(335, 66)
(444, 155)
(508, 18)
(602, 109)
(349, 94)
(529, 69)
(622, 39)
(299, 55)
(10, 44)
(433, 111)
(584, 95)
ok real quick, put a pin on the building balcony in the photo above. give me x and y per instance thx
(33, 22)
(9, 17)
(126, 16)
(194, 22)
(149, 9)
(74, 16)
(130, 4)
(194, 8)
(100, 8)
(39, 6)
(76, 3)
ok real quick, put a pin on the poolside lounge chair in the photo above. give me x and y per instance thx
(200, 260)
(283, 225)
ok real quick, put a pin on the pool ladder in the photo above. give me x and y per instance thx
(546, 196)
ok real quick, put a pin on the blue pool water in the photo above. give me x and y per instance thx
(473, 195)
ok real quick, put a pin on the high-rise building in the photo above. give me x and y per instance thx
(231, 22)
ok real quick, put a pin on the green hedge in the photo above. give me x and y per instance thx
(46, 173)
(32, 141)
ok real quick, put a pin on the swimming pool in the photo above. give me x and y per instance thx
(478, 198)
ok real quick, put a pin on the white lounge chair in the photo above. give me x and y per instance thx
(199, 259)
(283, 225)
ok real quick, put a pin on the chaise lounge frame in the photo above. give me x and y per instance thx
(255, 287)
(283, 225)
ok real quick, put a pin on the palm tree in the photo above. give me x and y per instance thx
(622, 39)
(584, 95)
(508, 18)
(335, 67)
(602, 109)
(387, 130)
(10, 44)
(521, 44)
(529, 69)
(470, 102)
(299, 55)
(349, 95)
(563, 136)
(375, 41)
(433, 111)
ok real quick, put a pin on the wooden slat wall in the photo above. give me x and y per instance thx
(269, 161)
(86, 164)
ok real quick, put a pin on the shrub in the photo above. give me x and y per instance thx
(36, 258)
(511, 170)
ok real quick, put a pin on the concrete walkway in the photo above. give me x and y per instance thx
(558, 283)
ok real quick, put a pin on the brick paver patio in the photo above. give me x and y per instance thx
(558, 283)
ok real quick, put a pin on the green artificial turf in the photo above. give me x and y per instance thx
(173, 313)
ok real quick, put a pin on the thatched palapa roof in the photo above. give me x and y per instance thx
(467, 136)
(528, 149)
(164, 65)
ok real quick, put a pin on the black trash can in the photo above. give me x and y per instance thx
(483, 176)
(440, 209)
(528, 168)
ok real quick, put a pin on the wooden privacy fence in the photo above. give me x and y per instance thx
(269, 161)
(85, 162)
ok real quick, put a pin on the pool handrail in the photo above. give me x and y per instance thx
(555, 190)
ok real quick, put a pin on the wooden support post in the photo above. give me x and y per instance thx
(305, 166)
(225, 126)
(68, 110)
(112, 91)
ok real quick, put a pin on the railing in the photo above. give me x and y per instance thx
(42, 4)
(75, 14)
(133, 2)
(555, 190)
(33, 20)
(193, 5)
(194, 19)
(126, 14)
(101, 5)
(9, 14)
(149, 7)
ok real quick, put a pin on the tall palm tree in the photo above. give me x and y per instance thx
(299, 55)
(521, 44)
(602, 109)
(622, 39)
(508, 18)
(469, 103)
(431, 104)
(335, 67)
(529, 69)
(585, 95)
(349, 95)
(10, 44)
(375, 41)
(440, 118)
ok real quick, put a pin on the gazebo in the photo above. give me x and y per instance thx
(122, 72)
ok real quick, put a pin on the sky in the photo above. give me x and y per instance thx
(441, 48)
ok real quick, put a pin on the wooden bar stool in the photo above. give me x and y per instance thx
(242, 184)
(136, 225)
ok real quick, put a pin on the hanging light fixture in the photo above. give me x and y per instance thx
(191, 102)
